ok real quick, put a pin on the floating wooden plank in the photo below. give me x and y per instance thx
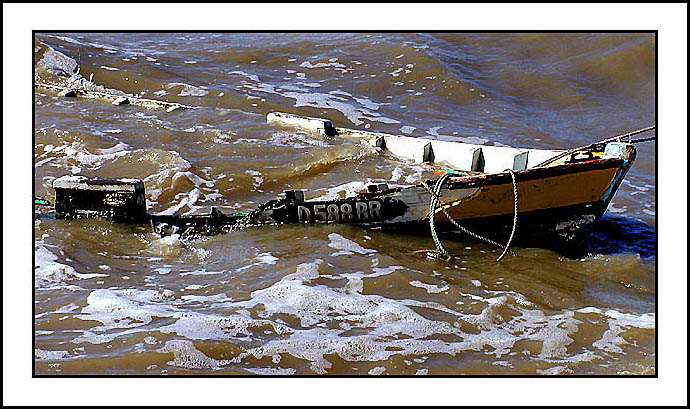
(115, 99)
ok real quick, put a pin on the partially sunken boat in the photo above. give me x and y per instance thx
(484, 192)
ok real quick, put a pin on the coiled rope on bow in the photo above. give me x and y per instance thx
(435, 193)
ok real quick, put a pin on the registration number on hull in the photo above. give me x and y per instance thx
(340, 212)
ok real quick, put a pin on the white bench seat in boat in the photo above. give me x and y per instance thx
(459, 156)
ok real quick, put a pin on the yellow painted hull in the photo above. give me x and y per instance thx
(537, 194)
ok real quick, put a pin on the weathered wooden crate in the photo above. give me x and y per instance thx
(115, 199)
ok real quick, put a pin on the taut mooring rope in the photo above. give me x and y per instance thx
(615, 138)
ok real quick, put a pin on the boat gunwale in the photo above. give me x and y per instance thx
(493, 179)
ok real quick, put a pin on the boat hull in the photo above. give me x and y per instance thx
(558, 203)
(554, 227)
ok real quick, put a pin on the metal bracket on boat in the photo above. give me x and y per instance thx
(377, 187)
(294, 195)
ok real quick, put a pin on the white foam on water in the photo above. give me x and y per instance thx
(166, 246)
(349, 189)
(50, 273)
(430, 288)
(355, 283)
(357, 109)
(188, 199)
(308, 64)
(613, 209)
(163, 270)
(119, 147)
(434, 131)
(305, 272)
(201, 272)
(252, 77)
(631, 320)
(415, 177)
(271, 371)
(396, 174)
(164, 165)
(555, 370)
(126, 308)
(186, 355)
(43, 355)
(256, 175)
(205, 299)
(377, 370)
(187, 90)
(352, 188)
(263, 258)
(407, 129)
(132, 310)
(207, 326)
(344, 321)
(339, 242)
(194, 178)
(618, 322)
(322, 100)
(386, 318)
(396, 72)
(77, 152)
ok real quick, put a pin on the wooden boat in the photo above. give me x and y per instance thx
(558, 199)
(556, 195)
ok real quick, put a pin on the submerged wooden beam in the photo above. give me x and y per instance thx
(115, 99)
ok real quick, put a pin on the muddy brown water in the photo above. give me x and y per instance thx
(333, 299)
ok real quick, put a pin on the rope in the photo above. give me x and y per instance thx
(615, 138)
(515, 212)
(435, 197)
(651, 138)
(432, 212)
(41, 202)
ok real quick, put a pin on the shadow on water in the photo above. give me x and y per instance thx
(619, 234)
(610, 235)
